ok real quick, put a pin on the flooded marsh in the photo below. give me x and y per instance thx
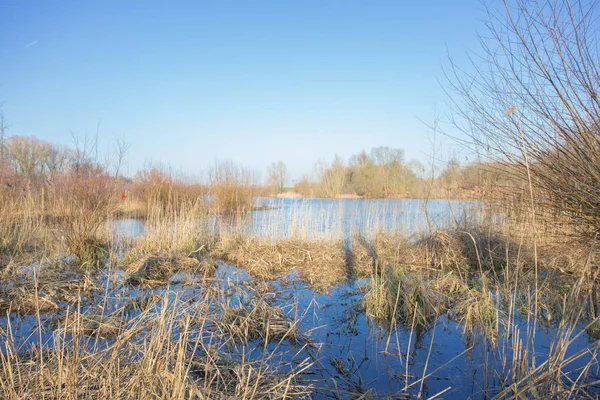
(305, 299)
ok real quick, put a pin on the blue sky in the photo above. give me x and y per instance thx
(188, 82)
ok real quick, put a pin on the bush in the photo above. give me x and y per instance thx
(232, 187)
(534, 105)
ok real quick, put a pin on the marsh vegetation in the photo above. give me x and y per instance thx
(158, 286)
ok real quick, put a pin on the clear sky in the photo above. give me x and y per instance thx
(188, 82)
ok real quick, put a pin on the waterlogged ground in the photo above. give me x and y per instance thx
(328, 339)
(349, 355)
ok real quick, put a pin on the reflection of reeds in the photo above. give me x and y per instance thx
(155, 354)
(479, 275)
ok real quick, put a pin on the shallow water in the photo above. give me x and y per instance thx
(344, 217)
(350, 353)
(332, 218)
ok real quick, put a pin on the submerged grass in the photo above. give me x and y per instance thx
(482, 276)
(321, 263)
(158, 353)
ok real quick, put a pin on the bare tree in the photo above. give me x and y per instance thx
(3, 131)
(277, 176)
(26, 155)
(54, 158)
(119, 155)
(531, 101)
(332, 178)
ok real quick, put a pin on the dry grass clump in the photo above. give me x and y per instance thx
(233, 187)
(391, 249)
(322, 264)
(105, 326)
(567, 255)
(415, 297)
(26, 302)
(21, 226)
(398, 249)
(85, 200)
(362, 254)
(155, 355)
(156, 270)
(444, 250)
(28, 294)
(141, 303)
(493, 250)
(167, 229)
(258, 320)
(157, 187)
(476, 275)
(407, 297)
(477, 311)
(475, 248)
(224, 377)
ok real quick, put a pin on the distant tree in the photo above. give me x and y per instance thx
(3, 132)
(54, 158)
(380, 173)
(277, 176)
(332, 178)
(363, 175)
(305, 187)
(451, 174)
(26, 154)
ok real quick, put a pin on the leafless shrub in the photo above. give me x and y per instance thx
(232, 186)
(531, 102)
(277, 176)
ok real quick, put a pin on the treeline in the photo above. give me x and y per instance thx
(48, 174)
(30, 164)
(32, 158)
(384, 173)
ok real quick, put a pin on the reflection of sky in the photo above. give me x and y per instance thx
(344, 217)
(329, 218)
(342, 338)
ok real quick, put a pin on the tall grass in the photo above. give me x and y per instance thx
(232, 187)
(480, 273)
(84, 202)
(159, 353)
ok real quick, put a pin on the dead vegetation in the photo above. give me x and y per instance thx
(322, 264)
(153, 356)
(258, 320)
(98, 325)
(156, 270)
(44, 291)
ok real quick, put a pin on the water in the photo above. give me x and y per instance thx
(330, 218)
(343, 217)
(351, 354)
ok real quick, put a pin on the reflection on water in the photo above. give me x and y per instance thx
(341, 218)
(351, 355)
(330, 218)
(128, 228)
